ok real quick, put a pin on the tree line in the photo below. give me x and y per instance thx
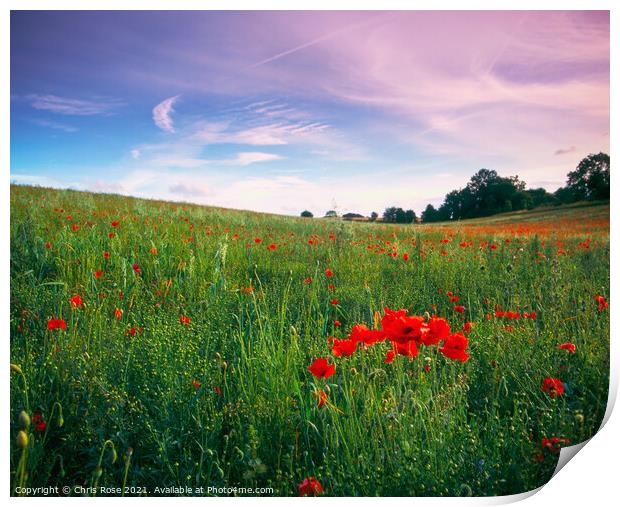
(487, 193)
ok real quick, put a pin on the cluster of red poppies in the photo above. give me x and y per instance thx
(405, 332)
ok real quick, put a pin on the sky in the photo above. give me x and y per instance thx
(287, 111)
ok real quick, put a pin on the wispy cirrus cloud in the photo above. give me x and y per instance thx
(162, 114)
(564, 151)
(252, 157)
(72, 107)
(54, 125)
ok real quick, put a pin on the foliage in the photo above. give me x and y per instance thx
(398, 215)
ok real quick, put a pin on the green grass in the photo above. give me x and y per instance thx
(389, 429)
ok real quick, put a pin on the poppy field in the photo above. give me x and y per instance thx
(158, 346)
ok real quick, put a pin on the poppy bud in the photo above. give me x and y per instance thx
(114, 455)
(579, 418)
(22, 439)
(224, 365)
(218, 356)
(16, 368)
(353, 371)
(24, 420)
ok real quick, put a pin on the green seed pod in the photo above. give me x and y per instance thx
(24, 420)
(114, 455)
(98, 472)
(22, 439)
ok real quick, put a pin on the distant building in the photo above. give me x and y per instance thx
(352, 216)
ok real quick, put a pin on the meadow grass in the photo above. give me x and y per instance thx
(226, 399)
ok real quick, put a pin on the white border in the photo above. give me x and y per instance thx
(591, 479)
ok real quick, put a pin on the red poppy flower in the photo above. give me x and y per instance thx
(454, 347)
(308, 280)
(459, 309)
(405, 256)
(98, 273)
(258, 240)
(389, 356)
(154, 251)
(330, 286)
(48, 245)
(115, 224)
(344, 347)
(136, 268)
(337, 323)
(184, 320)
(272, 246)
(602, 304)
(468, 327)
(568, 346)
(399, 327)
(217, 390)
(110, 235)
(39, 423)
(334, 302)
(328, 273)
(409, 349)
(196, 384)
(76, 301)
(118, 313)
(361, 333)
(553, 386)
(56, 324)
(553, 444)
(106, 255)
(436, 330)
(309, 486)
(321, 369)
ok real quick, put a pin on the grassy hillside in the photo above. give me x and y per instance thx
(577, 212)
(177, 338)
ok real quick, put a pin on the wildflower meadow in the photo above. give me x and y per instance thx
(168, 345)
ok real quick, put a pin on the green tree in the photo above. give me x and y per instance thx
(430, 214)
(306, 214)
(390, 214)
(590, 180)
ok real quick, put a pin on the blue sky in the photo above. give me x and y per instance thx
(285, 111)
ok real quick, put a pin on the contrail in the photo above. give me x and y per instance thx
(317, 40)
